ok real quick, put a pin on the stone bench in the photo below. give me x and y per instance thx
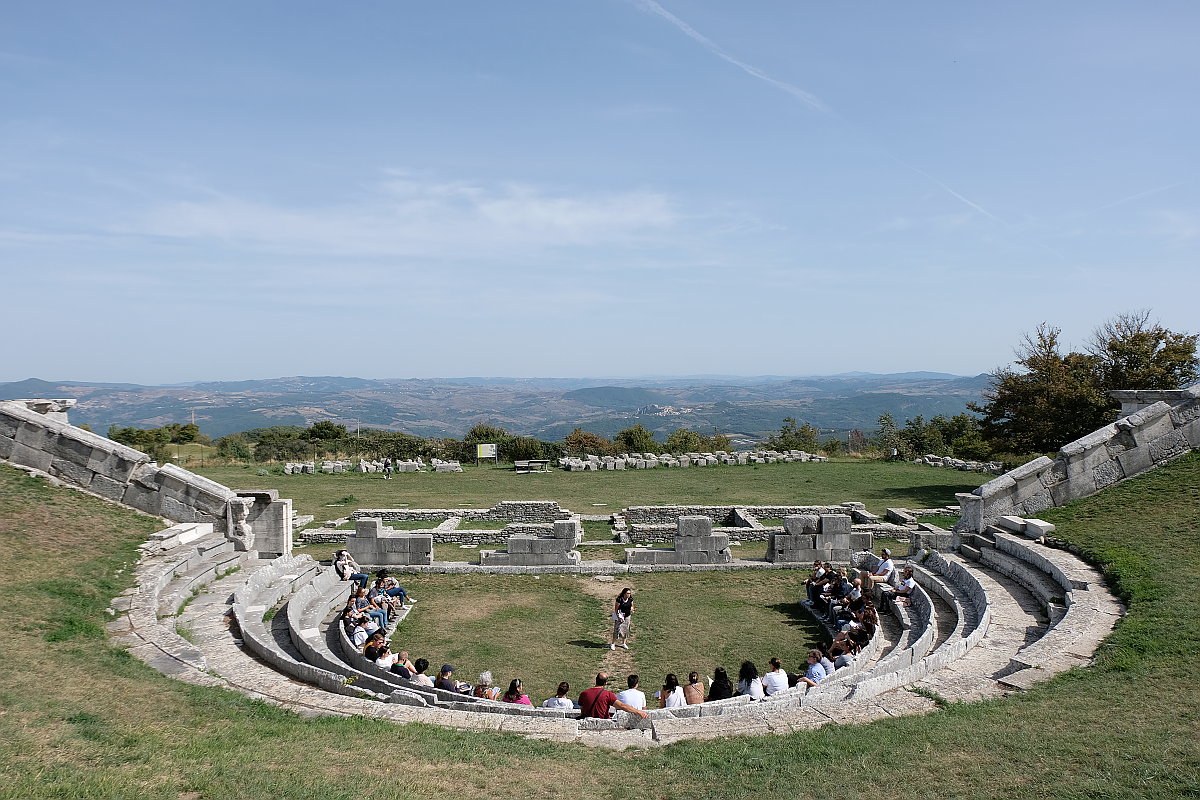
(1089, 616)
(306, 610)
(261, 591)
(971, 603)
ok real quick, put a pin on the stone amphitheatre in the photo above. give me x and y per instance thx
(1001, 603)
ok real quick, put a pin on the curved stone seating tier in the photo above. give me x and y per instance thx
(1089, 616)
(262, 591)
(336, 679)
(164, 584)
(306, 610)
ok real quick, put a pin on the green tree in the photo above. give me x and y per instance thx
(1053, 399)
(683, 440)
(581, 442)
(1135, 353)
(325, 431)
(635, 440)
(520, 448)
(887, 438)
(793, 436)
(235, 446)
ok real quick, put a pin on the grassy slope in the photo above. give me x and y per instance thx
(79, 719)
(514, 625)
(874, 483)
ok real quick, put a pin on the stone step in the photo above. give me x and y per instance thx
(969, 552)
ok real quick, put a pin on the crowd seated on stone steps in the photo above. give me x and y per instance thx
(848, 605)
(349, 570)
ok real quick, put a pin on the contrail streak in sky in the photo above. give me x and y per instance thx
(807, 98)
(1135, 197)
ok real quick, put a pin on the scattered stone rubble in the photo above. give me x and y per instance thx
(594, 463)
(992, 467)
(363, 465)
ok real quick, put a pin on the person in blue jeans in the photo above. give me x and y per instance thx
(363, 604)
(391, 587)
(349, 570)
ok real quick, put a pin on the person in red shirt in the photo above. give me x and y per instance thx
(598, 701)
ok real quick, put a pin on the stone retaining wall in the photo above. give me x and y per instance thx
(1133, 444)
(726, 515)
(46, 442)
(505, 511)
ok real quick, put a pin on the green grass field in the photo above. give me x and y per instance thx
(81, 719)
(875, 483)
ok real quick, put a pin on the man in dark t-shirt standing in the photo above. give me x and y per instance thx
(598, 701)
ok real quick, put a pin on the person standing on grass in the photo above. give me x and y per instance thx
(622, 611)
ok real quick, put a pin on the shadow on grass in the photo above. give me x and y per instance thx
(588, 644)
(926, 496)
(797, 617)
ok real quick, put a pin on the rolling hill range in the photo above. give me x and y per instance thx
(744, 408)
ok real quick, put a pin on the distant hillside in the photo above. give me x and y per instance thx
(616, 397)
(548, 408)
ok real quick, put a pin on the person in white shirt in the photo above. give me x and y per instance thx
(671, 693)
(633, 696)
(749, 682)
(776, 679)
(880, 575)
(560, 700)
(907, 586)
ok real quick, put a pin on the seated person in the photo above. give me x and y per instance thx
(445, 680)
(814, 582)
(671, 693)
(385, 658)
(419, 676)
(904, 590)
(515, 694)
(693, 692)
(633, 696)
(748, 681)
(720, 687)
(348, 570)
(361, 604)
(393, 588)
(884, 568)
(359, 636)
(835, 589)
(776, 679)
(484, 687)
(560, 700)
(371, 651)
(815, 673)
(403, 667)
(598, 702)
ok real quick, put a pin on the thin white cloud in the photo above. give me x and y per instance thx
(808, 98)
(409, 216)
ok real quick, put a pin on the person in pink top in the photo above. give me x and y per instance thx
(515, 695)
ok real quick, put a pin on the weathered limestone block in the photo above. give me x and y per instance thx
(695, 526)
(802, 524)
(375, 545)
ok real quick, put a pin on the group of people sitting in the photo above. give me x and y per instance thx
(848, 603)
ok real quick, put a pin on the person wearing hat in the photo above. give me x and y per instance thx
(445, 680)
(885, 568)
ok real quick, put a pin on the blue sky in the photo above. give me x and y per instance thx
(604, 188)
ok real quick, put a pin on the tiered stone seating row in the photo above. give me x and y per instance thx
(327, 660)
